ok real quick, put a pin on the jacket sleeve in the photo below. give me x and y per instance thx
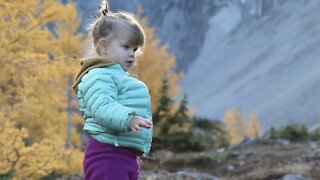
(100, 97)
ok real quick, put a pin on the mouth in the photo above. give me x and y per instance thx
(130, 62)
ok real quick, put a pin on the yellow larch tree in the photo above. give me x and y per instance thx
(238, 129)
(235, 125)
(11, 146)
(253, 126)
(37, 65)
(32, 162)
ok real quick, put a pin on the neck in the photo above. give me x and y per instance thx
(107, 57)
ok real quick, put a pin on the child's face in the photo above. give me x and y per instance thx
(120, 52)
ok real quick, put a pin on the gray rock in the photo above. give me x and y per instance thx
(246, 154)
(241, 163)
(266, 135)
(312, 145)
(196, 176)
(163, 155)
(293, 177)
(245, 142)
(284, 142)
(220, 150)
(231, 168)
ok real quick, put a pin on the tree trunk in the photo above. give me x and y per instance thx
(69, 113)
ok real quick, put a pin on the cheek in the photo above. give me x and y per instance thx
(103, 51)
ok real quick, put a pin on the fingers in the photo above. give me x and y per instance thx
(137, 128)
(141, 125)
(145, 124)
(137, 123)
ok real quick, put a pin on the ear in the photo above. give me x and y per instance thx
(102, 45)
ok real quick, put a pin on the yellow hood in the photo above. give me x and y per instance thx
(86, 65)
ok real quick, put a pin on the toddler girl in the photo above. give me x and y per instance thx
(116, 107)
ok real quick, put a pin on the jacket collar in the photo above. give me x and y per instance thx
(90, 63)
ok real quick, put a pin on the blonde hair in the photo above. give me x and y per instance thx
(110, 25)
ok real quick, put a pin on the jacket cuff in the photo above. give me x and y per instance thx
(126, 119)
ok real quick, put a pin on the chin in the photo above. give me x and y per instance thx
(125, 68)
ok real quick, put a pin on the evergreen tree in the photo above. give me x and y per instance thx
(163, 108)
(161, 115)
(182, 112)
(273, 133)
(180, 122)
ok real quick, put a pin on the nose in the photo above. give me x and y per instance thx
(131, 53)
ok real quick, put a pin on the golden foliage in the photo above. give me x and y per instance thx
(36, 63)
(253, 126)
(234, 125)
(36, 161)
(11, 146)
(40, 159)
(238, 129)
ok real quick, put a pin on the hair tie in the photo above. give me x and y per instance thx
(105, 12)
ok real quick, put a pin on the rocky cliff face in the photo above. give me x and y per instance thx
(257, 55)
(268, 65)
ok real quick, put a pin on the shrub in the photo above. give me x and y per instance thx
(293, 132)
(203, 134)
(315, 135)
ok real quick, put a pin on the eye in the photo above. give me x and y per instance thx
(135, 49)
(126, 46)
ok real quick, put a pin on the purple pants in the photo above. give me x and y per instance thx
(107, 162)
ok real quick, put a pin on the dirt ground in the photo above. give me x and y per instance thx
(261, 160)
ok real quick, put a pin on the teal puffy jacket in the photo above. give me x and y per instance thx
(108, 98)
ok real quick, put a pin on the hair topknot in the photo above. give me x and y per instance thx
(104, 7)
(112, 25)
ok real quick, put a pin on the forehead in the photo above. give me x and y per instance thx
(128, 36)
(123, 36)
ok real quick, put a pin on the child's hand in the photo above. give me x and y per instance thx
(137, 122)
